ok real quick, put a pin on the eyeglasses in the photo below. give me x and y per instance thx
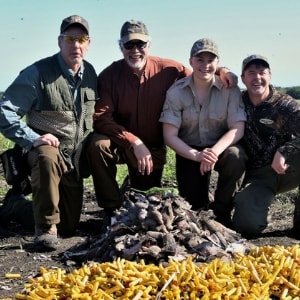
(138, 44)
(73, 38)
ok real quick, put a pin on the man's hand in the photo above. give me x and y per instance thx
(228, 78)
(47, 139)
(278, 163)
(143, 156)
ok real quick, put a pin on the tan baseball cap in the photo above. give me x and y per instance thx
(134, 30)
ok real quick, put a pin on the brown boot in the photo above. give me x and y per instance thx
(46, 237)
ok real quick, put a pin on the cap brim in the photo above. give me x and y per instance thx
(75, 24)
(204, 50)
(257, 60)
(135, 36)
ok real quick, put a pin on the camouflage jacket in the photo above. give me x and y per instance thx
(272, 125)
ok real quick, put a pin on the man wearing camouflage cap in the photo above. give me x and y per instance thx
(132, 92)
(272, 143)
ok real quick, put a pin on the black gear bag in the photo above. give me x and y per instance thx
(15, 167)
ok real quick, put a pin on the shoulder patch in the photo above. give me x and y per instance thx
(266, 121)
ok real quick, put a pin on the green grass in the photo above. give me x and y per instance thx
(5, 143)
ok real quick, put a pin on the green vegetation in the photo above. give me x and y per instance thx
(292, 91)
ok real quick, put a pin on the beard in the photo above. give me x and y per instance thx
(137, 65)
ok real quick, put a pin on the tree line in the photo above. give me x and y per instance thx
(293, 91)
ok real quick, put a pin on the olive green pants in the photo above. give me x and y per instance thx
(56, 194)
(251, 204)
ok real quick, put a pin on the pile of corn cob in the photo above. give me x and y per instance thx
(265, 273)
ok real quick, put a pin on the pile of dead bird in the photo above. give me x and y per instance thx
(156, 227)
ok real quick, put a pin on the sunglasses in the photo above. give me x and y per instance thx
(73, 38)
(138, 44)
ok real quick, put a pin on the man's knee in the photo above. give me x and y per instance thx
(247, 218)
(45, 157)
(236, 152)
(99, 142)
(233, 160)
(99, 151)
(247, 225)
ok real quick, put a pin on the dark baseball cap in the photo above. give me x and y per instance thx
(252, 58)
(204, 45)
(134, 30)
(72, 20)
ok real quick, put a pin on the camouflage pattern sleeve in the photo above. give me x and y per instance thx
(272, 126)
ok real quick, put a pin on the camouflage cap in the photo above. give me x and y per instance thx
(67, 22)
(204, 45)
(134, 30)
(251, 59)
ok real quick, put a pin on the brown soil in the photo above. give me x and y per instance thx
(18, 256)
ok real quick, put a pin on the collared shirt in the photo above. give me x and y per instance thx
(272, 125)
(202, 125)
(129, 106)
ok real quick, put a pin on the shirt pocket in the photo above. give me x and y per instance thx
(190, 116)
(89, 106)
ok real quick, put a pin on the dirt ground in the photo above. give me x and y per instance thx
(18, 256)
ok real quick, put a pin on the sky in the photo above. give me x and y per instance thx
(29, 30)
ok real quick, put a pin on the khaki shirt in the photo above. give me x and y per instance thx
(202, 125)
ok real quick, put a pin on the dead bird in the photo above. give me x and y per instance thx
(168, 214)
(154, 220)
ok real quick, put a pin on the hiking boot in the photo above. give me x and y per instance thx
(46, 237)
